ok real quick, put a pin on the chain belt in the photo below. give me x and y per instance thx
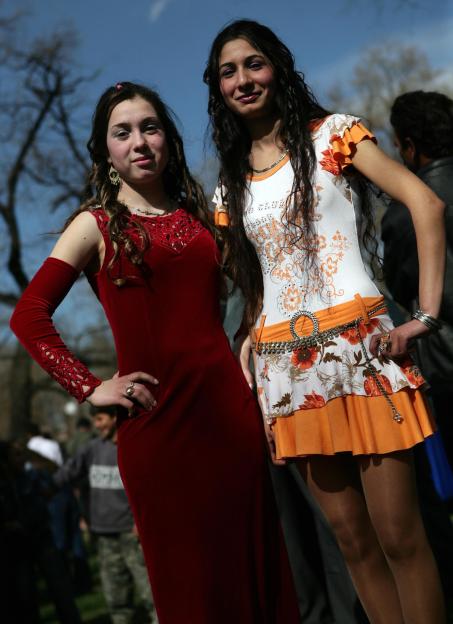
(315, 338)
(319, 337)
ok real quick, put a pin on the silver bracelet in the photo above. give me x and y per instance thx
(430, 321)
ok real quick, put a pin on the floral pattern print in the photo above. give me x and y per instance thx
(309, 378)
(304, 358)
(329, 162)
(313, 401)
(353, 336)
(284, 265)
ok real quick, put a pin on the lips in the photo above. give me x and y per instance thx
(144, 161)
(249, 98)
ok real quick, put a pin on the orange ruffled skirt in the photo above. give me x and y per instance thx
(359, 424)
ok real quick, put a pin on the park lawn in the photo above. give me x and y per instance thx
(92, 607)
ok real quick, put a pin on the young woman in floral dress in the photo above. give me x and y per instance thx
(338, 394)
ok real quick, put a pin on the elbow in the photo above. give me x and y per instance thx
(437, 206)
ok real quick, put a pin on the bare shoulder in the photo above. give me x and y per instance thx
(79, 242)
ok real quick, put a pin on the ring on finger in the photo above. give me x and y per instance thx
(130, 388)
(385, 344)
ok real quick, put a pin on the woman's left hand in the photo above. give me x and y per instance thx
(395, 343)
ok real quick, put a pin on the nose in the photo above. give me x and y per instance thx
(244, 80)
(138, 139)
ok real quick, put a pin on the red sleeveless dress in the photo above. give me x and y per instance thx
(194, 467)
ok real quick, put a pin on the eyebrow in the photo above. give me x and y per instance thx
(248, 58)
(123, 124)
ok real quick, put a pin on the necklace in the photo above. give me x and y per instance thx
(151, 213)
(274, 164)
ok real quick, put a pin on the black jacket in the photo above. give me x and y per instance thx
(435, 352)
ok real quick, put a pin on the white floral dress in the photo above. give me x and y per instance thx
(309, 379)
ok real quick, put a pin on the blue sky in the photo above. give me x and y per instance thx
(164, 43)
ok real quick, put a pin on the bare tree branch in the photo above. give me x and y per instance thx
(8, 298)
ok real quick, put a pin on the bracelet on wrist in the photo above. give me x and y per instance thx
(430, 321)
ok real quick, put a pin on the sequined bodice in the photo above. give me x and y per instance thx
(173, 231)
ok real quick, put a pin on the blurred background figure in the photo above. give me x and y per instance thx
(110, 520)
(83, 433)
(423, 134)
(63, 508)
(423, 126)
(26, 542)
(43, 444)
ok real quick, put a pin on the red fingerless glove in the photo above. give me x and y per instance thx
(32, 324)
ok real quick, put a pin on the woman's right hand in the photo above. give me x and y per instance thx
(113, 391)
(242, 350)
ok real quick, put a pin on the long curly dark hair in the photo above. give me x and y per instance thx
(178, 182)
(297, 110)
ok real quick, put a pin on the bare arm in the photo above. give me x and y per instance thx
(81, 243)
(427, 212)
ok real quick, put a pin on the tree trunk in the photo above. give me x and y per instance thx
(20, 392)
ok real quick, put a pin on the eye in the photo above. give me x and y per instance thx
(256, 65)
(226, 72)
(121, 134)
(151, 128)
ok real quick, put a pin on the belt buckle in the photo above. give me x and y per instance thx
(296, 317)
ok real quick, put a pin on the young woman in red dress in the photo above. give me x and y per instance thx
(190, 444)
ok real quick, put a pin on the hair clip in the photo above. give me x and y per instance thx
(118, 86)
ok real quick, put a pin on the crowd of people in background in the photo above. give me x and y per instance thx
(60, 505)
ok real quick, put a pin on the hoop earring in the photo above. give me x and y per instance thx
(114, 176)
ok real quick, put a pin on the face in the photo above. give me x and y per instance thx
(246, 80)
(407, 152)
(136, 142)
(105, 425)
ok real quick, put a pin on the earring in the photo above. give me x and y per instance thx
(114, 176)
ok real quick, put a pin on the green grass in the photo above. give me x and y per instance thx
(92, 607)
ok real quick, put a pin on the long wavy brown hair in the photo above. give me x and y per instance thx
(297, 109)
(179, 184)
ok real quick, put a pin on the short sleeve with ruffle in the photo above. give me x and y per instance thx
(221, 216)
(345, 133)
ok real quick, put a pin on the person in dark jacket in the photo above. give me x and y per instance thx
(110, 519)
(423, 127)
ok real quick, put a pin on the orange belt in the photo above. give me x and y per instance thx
(307, 329)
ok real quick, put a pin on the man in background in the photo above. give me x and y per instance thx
(423, 127)
(110, 520)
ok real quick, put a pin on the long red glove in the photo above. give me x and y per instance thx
(32, 324)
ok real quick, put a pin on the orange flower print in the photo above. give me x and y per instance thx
(329, 163)
(371, 387)
(312, 401)
(352, 335)
(412, 373)
(291, 298)
(304, 358)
